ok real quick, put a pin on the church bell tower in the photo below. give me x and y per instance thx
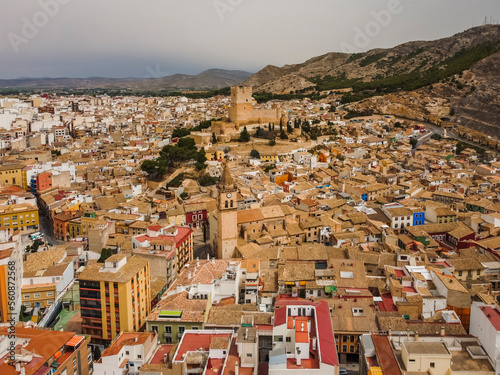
(227, 220)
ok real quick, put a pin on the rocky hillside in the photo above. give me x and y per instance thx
(384, 69)
(207, 80)
(459, 75)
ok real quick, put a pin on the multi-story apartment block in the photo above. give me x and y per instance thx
(114, 297)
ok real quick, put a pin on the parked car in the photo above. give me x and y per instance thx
(343, 371)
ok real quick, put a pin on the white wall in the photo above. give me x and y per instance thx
(481, 327)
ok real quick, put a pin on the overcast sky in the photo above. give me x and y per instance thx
(130, 38)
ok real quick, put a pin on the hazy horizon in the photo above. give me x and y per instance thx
(155, 38)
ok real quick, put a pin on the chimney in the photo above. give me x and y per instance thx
(246, 334)
(416, 336)
(236, 369)
(208, 256)
(213, 260)
(197, 262)
(442, 331)
(179, 288)
(189, 274)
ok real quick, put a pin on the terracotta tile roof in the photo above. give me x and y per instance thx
(134, 264)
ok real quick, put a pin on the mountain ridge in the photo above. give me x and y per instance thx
(209, 79)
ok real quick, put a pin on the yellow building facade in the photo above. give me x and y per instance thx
(39, 295)
(115, 296)
(268, 157)
(19, 216)
(11, 175)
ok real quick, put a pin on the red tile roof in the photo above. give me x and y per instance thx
(388, 362)
(493, 316)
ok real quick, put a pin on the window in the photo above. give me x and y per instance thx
(344, 348)
(36, 295)
(432, 365)
(288, 339)
(74, 362)
(249, 355)
(139, 356)
(50, 294)
(278, 338)
(26, 296)
(411, 360)
(27, 304)
(195, 328)
(459, 273)
(181, 330)
(127, 352)
(154, 329)
(344, 338)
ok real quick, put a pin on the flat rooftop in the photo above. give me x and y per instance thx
(198, 341)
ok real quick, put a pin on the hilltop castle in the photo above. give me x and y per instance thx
(242, 112)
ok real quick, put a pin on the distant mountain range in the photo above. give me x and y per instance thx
(207, 80)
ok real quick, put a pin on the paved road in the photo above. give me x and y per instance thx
(438, 130)
(47, 232)
(200, 249)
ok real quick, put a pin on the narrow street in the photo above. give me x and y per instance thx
(47, 233)
(200, 249)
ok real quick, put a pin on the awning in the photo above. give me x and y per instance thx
(75, 340)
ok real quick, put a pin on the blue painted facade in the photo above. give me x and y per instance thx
(418, 218)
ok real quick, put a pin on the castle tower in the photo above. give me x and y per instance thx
(227, 221)
(241, 104)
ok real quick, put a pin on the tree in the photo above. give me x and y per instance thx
(201, 158)
(184, 195)
(259, 133)
(207, 180)
(289, 128)
(306, 126)
(414, 142)
(281, 124)
(154, 168)
(272, 142)
(205, 233)
(255, 154)
(22, 309)
(244, 135)
(180, 132)
(35, 246)
(452, 111)
(269, 128)
(436, 136)
(460, 147)
(283, 134)
(105, 254)
(398, 125)
(214, 138)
